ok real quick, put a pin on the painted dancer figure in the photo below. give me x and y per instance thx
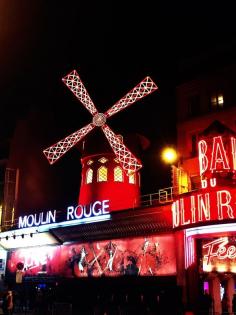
(81, 261)
(111, 250)
(143, 255)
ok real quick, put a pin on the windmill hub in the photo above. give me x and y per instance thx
(99, 120)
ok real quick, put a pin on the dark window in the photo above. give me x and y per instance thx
(194, 146)
(194, 105)
(195, 182)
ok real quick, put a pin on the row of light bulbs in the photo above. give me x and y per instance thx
(14, 236)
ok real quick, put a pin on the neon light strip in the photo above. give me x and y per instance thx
(99, 218)
(186, 256)
(189, 250)
(208, 229)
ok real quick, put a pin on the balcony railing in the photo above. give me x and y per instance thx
(164, 195)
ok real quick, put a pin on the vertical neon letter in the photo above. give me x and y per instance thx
(218, 154)
(203, 161)
(221, 204)
(233, 147)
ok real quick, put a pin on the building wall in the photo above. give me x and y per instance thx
(197, 109)
(200, 102)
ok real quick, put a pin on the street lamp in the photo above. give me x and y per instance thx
(169, 155)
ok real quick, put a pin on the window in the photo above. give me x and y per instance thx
(217, 101)
(103, 160)
(131, 179)
(102, 174)
(90, 162)
(89, 176)
(118, 174)
(194, 146)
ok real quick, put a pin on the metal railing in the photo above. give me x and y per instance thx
(164, 195)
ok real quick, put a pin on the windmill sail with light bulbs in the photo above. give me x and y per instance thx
(129, 163)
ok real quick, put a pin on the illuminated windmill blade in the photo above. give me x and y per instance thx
(74, 83)
(56, 151)
(128, 161)
(141, 90)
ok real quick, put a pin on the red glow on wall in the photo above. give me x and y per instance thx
(121, 194)
(151, 256)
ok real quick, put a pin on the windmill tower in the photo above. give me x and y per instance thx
(112, 174)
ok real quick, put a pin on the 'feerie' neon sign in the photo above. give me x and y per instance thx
(80, 212)
(218, 249)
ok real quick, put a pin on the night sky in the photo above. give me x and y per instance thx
(113, 46)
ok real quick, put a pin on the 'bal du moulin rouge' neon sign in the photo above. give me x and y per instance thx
(212, 203)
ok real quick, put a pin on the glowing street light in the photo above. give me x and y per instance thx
(169, 155)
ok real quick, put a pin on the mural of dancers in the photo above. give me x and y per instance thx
(148, 256)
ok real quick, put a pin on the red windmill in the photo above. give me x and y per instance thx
(130, 164)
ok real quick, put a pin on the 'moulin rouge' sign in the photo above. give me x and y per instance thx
(80, 214)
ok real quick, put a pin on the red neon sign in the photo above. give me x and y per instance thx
(204, 207)
(217, 155)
